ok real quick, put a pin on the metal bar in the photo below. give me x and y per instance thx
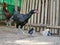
(16, 3)
(51, 11)
(42, 17)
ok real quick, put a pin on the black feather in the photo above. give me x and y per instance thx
(22, 19)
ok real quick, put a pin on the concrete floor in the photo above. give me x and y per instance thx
(12, 36)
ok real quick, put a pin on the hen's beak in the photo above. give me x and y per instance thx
(36, 11)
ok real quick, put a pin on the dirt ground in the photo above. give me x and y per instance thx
(13, 36)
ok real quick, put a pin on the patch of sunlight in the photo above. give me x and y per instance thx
(28, 42)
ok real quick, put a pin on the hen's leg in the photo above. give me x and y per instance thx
(17, 25)
(21, 26)
(7, 22)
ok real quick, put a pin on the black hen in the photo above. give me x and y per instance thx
(22, 19)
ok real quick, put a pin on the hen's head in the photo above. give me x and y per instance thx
(34, 11)
(4, 4)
